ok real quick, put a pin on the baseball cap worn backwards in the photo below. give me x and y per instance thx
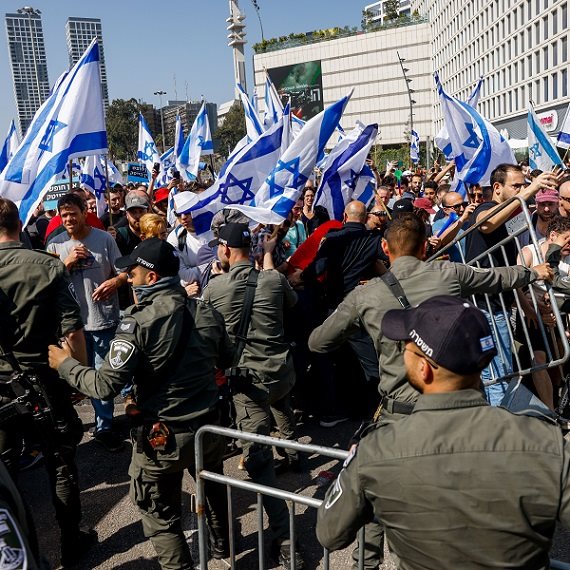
(449, 331)
(153, 253)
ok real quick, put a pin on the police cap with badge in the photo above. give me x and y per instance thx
(449, 331)
(154, 254)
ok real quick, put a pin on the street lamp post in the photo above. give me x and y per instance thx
(410, 91)
(29, 11)
(160, 94)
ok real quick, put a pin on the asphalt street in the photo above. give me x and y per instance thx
(107, 508)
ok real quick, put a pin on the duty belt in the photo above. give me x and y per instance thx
(394, 407)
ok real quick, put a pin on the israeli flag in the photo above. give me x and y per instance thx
(273, 105)
(542, 153)
(478, 148)
(199, 142)
(442, 138)
(365, 186)
(94, 179)
(178, 136)
(239, 178)
(147, 152)
(283, 186)
(563, 140)
(296, 125)
(344, 165)
(415, 147)
(10, 145)
(70, 123)
(253, 125)
(167, 163)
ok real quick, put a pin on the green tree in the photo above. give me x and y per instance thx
(392, 9)
(122, 129)
(232, 129)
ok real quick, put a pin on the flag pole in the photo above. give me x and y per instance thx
(108, 191)
(70, 168)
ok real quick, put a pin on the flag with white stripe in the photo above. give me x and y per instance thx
(199, 142)
(70, 123)
(147, 152)
(542, 153)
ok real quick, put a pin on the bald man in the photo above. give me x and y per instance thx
(564, 195)
(348, 256)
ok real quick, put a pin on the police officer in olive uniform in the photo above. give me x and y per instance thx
(265, 366)
(168, 346)
(458, 483)
(364, 307)
(37, 305)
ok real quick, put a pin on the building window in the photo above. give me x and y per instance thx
(564, 22)
(564, 82)
(554, 22)
(554, 55)
(545, 57)
(564, 49)
(545, 85)
(555, 86)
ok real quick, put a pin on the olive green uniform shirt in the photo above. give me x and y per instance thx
(457, 484)
(37, 303)
(266, 354)
(146, 340)
(365, 307)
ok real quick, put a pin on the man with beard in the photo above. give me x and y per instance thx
(547, 206)
(128, 236)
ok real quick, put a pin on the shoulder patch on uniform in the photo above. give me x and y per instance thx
(334, 494)
(13, 555)
(351, 455)
(120, 352)
(127, 327)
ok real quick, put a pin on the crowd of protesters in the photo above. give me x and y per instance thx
(323, 260)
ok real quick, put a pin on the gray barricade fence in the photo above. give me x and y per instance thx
(293, 499)
(549, 338)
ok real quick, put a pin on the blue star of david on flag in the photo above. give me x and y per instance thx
(296, 180)
(242, 186)
(53, 128)
(473, 140)
(535, 150)
(351, 182)
(149, 150)
(98, 176)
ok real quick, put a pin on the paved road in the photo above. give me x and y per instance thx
(122, 546)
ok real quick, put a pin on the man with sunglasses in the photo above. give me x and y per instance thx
(457, 484)
(564, 194)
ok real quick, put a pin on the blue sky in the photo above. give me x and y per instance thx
(148, 42)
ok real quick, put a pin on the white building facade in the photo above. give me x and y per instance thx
(79, 33)
(369, 63)
(28, 63)
(376, 12)
(520, 47)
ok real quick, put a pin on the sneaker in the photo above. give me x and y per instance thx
(30, 458)
(219, 548)
(281, 552)
(75, 547)
(109, 440)
(331, 421)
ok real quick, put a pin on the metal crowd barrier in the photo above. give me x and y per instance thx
(548, 334)
(203, 475)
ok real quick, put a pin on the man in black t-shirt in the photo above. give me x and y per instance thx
(507, 181)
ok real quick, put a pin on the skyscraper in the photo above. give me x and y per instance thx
(28, 63)
(79, 33)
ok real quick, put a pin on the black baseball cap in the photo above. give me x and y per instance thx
(450, 331)
(233, 235)
(153, 253)
(403, 206)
